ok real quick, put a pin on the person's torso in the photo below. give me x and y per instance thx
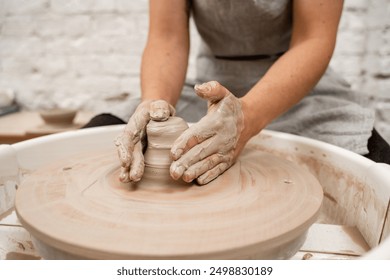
(240, 28)
(243, 27)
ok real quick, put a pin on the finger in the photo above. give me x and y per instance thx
(137, 165)
(203, 166)
(211, 91)
(194, 135)
(196, 154)
(161, 110)
(137, 124)
(123, 147)
(124, 175)
(213, 173)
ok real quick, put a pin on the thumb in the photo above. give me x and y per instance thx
(160, 110)
(211, 91)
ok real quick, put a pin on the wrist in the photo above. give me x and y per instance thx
(153, 92)
(253, 121)
(167, 99)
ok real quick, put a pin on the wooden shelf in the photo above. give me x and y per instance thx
(25, 125)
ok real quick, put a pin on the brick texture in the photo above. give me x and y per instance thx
(82, 52)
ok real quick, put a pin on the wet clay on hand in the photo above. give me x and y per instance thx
(261, 207)
(131, 142)
(208, 148)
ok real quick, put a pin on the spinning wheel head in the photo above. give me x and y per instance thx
(260, 208)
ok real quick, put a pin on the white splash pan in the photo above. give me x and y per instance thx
(357, 190)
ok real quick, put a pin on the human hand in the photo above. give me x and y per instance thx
(131, 142)
(209, 147)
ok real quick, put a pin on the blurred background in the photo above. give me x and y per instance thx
(86, 54)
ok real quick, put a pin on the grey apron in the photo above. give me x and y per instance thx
(332, 112)
(248, 29)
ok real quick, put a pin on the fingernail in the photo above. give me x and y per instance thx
(136, 176)
(134, 179)
(176, 154)
(176, 171)
(201, 181)
(159, 115)
(205, 87)
(188, 177)
(207, 178)
(124, 177)
(159, 110)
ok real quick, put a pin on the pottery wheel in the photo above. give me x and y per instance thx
(260, 208)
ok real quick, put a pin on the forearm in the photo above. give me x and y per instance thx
(295, 73)
(165, 58)
(286, 83)
(163, 69)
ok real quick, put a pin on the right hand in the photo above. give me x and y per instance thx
(131, 142)
(211, 146)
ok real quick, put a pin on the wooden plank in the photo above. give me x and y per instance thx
(386, 226)
(7, 196)
(304, 255)
(25, 125)
(9, 219)
(335, 239)
(9, 176)
(15, 243)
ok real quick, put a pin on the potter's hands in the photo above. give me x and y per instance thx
(131, 142)
(211, 146)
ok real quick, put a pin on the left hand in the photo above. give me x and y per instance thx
(209, 147)
(131, 143)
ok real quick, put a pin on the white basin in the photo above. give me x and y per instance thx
(357, 190)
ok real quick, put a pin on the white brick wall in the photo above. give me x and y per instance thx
(81, 52)
(71, 53)
(362, 54)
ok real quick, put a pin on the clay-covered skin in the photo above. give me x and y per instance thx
(132, 140)
(209, 147)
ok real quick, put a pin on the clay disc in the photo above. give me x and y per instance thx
(260, 208)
